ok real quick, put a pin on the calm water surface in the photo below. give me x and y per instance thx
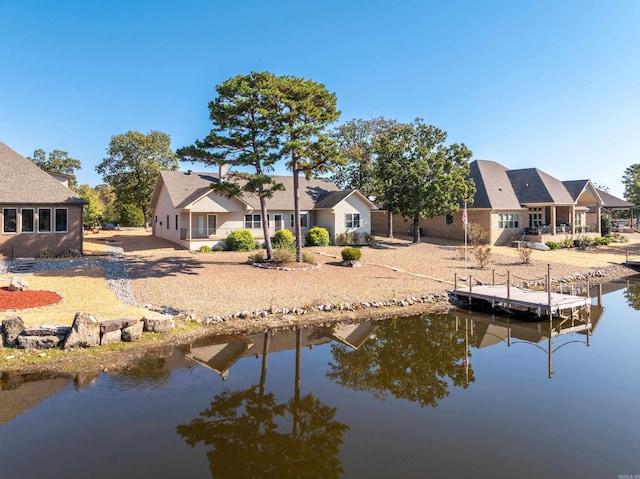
(435, 396)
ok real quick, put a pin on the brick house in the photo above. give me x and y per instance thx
(38, 212)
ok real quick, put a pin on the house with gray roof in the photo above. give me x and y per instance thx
(38, 212)
(520, 204)
(188, 212)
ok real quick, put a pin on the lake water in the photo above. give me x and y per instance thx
(434, 396)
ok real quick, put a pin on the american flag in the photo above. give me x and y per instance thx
(464, 215)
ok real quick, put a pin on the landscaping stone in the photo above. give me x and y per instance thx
(111, 337)
(132, 332)
(40, 341)
(85, 332)
(113, 324)
(47, 330)
(158, 324)
(18, 284)
(12, 327)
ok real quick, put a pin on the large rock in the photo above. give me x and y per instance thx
(158, 324)
(113, 324)
(12, 327)
(40, 341)
(18, 284)
(133, 332)
(85, 332)
(110, 337)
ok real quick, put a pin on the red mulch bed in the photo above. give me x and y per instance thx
(26, 299)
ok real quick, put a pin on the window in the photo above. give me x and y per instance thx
(535, 217)
(176, 222)
(61, 220)
(304, 220)
(10, 220)
(44, 220)
(449, 218)
(352, 220)
(28, 220)
(508, 220)
(252, 222)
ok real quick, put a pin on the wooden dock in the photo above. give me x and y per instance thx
(514, 299)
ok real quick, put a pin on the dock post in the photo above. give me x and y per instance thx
(549, 289)
(508, 284)
(493, 277)
(470, 282)
(455, 281)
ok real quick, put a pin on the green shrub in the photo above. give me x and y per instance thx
(256, 258)
(369, 239)
(283, 239)
(553, 244)
(567, 242)
(241, 240)
(218, 247)
(284, 255)
(605, 226)
(351, 254)
(318, 237)
(205, 249)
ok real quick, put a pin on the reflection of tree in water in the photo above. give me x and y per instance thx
(411, 359)
(245, 430)
(632, 295)
(247, 438)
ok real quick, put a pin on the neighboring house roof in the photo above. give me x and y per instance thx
(493, 187)
(184, 188)
(611, 202)
(500, 188)
(23, 182)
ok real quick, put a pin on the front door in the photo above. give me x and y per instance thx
(212, 222)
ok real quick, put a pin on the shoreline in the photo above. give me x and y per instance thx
(204, 282)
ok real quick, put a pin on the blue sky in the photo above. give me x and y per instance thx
(547, 84)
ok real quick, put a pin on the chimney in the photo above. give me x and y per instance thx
(223, 170)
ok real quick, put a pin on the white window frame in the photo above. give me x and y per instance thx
(304, 220)
(50, 229)
(4, 221)
(352, 220)
(252, 221)
(508, 220)
(33, 220)
(55, 220)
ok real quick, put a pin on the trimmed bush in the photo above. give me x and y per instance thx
(351, 254)
(241, 240)
(553, 244)
(256, 258)
(605, 226)
(308, 258)
(318, 237)
(348, 237)
(205, 249)
(283, 239)
(284, 255)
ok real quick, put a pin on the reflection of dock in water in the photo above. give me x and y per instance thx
(219, 353)
(489, 330)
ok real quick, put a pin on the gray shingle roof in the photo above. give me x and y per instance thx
(184, 188)
(22, 182)
(500, 188)
(613, 202)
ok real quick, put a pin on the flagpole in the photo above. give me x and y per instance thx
(465, 221)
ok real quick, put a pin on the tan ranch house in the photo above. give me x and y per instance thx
(189, 213)
(519, 204)
(38, 213)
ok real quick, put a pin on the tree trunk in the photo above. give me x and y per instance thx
(265, 225)
(146, 217)
(390, 224)
(416, 229)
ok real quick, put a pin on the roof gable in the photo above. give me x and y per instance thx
(23, 182)
(493, 187)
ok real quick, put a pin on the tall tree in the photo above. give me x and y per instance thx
(94, 211)
(356, 140)
(133, 165)
(57, 161)
(305, 110)
(424, 178)
(631, 182)
(244, 134)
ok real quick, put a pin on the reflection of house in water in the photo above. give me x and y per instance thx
(490, 329)
(219, 353)
(16, 399)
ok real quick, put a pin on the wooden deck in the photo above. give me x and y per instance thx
(519, 299)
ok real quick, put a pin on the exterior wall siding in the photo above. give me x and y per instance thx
(27, 245)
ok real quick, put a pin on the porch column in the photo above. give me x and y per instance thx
(572, 218)
(598, 222)
(189, 235)
(553, 220)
